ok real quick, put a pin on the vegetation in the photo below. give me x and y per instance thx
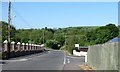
(63, 37)
(5, 31)
(53, 44)
(119, 31)
(0, 32)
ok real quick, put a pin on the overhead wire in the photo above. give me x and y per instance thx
(22, 18)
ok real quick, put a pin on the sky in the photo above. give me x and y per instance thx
(61, 14)
(62, 0)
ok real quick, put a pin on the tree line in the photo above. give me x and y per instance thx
(63, 37)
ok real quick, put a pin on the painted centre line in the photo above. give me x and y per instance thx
(64, 61)
(68, 60)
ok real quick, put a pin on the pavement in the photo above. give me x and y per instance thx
(48, 60)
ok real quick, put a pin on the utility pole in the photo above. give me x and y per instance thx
(65, 43)
(43, 35)
(65, 40)
(9, 19)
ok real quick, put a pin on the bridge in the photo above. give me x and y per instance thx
(20, 49)
(30, 57)
(24, 56)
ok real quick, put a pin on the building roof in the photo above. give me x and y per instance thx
(114, 40)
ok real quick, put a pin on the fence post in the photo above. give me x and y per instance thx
(86, 59)
(18, 46)
(5, 45)
(13, 46)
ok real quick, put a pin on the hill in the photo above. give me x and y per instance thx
(63, 37)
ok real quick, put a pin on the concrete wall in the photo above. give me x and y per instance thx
(119, 56)
(81, 53)
(103, 56)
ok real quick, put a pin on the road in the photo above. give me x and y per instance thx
(49, 60)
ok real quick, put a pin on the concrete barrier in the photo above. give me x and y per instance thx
(81, 53)
(104, 56)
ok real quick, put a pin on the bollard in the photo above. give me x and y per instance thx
(85, 58)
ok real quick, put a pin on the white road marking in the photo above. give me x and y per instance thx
(64, 62)
(49, 52)
(29, 58)
(72, 57)
(38, 56)
(23, 59)
(68, 60)
(13, 60)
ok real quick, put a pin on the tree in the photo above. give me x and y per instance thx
(60, 38)
(55, 38)
(102, 34)
(53, 44)
(5, 31)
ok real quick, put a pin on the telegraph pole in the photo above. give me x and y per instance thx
(65, 43)
(9, 19)
(43, 35)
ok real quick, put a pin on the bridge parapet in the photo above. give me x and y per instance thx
(13, 46)
(20, 49)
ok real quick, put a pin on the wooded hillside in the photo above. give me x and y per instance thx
(63, 37)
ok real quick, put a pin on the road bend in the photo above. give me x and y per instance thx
(48, 60)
